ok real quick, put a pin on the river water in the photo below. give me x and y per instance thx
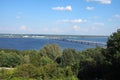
(38, 43)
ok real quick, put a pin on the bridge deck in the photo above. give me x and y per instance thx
(83, 42)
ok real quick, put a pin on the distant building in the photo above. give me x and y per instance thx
(118, 30)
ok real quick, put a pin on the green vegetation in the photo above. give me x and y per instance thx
(51, 63)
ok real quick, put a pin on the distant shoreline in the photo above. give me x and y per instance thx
(45, 36)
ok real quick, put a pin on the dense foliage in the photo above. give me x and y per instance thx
(51, 63)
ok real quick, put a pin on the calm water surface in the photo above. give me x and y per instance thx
(37, 43)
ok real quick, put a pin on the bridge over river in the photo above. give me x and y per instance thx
(83, 42)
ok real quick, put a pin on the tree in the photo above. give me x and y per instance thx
(45, 61)
(10, 59)
(69, 57)
(50, 72)
(112, 54)
(113, 43)
(92, 65)
(34, 58)
(52, 51)
(26, 71)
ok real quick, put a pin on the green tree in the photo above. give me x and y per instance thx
(112, 54)
(34, 58)
(113, 43)
(49, 72)
(52, 51)
(10, 59)
(69, 57)
(92, 66)
(26, 71)
(45, 61)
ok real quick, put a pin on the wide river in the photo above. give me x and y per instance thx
(38, 43)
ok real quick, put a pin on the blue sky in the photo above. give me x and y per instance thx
(76, 17)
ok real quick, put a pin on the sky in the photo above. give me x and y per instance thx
(66, 17)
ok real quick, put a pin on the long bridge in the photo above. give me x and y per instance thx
(82, 42)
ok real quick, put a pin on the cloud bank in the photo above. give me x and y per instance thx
(67, 8)
(89, 8)
(74, 21)
(101, 1)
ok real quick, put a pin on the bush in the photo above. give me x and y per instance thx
(26, 71)
(10, 59)
(52, 51)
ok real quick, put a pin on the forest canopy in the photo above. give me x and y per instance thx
(52, 63)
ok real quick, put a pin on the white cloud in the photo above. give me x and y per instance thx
(56, 30)
(23, 27)
(45, 29)
(99, 24)
(74, 21)
(67, 8)
(76, 28)
(20, 12)
(101, 1)
(117, 16)
(94, 28)
(89, 8)
(51, 30)
(18, 17)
